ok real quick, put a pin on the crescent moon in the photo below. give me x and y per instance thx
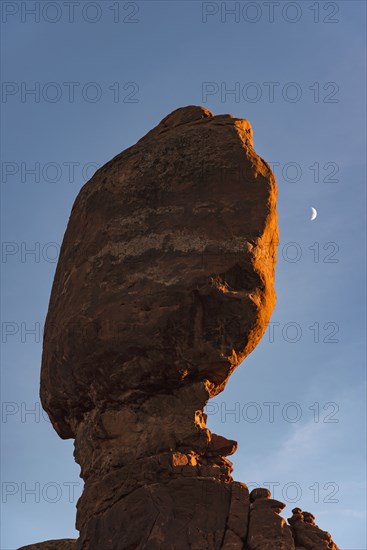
(314, 213)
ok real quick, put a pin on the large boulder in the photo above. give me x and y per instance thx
(166, 271)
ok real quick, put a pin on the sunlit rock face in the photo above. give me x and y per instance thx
(165, 283)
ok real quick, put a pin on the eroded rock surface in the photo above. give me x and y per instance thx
(307, 534)
(165, 283)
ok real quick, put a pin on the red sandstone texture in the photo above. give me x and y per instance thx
(165, 283)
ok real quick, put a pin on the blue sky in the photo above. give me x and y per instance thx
(298, 401)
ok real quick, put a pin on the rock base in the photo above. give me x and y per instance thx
(196, 514)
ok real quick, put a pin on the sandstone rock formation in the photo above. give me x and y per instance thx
(165, 283)
(307, 534)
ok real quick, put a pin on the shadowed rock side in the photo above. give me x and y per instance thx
(165, 283)
(307, 534)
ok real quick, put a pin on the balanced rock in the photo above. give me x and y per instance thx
(165, 283)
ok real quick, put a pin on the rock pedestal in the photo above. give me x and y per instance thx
(165, 283)
(201, 514)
